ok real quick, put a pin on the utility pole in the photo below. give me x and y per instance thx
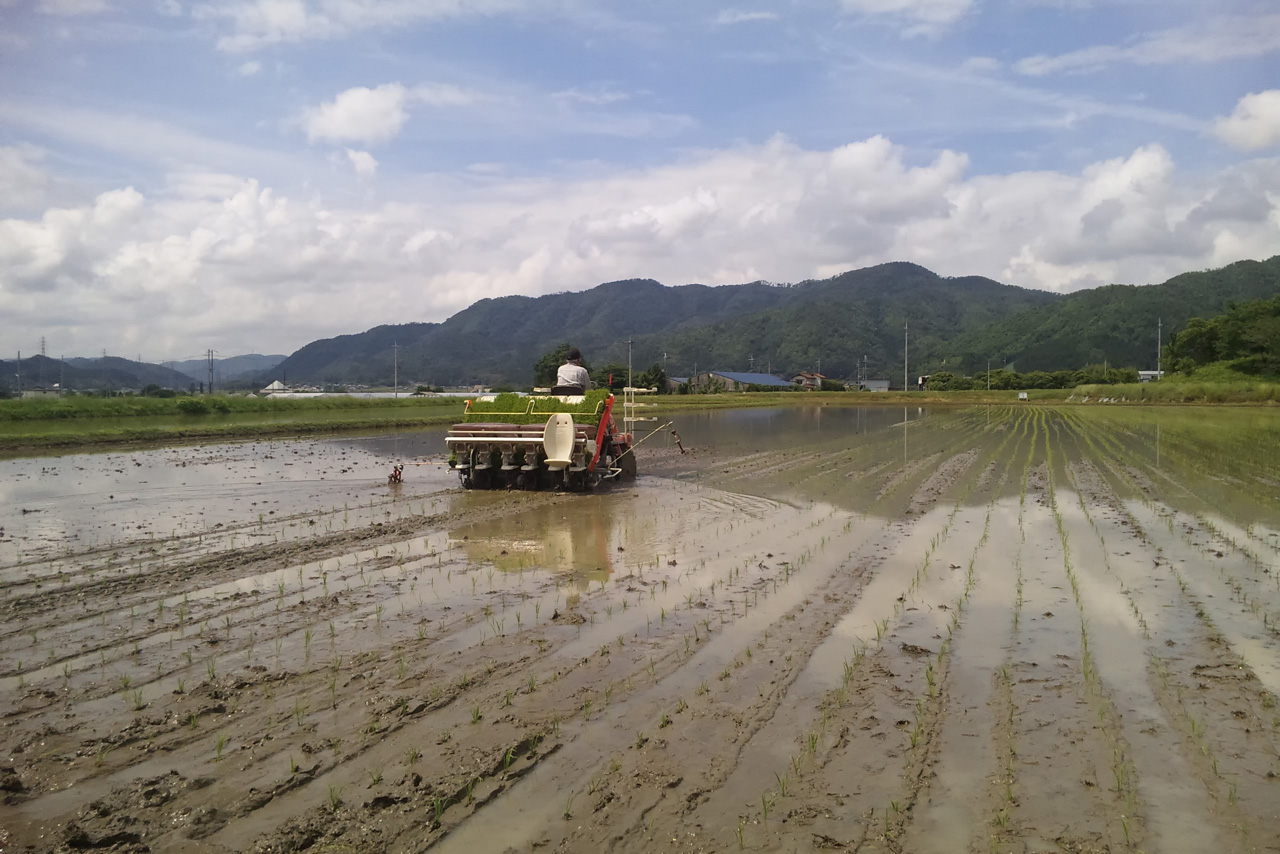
(19, 374)
(209, 356)
(751, 363)
(395, 368)
(905, 387)
(988, 373)
(1159, 343)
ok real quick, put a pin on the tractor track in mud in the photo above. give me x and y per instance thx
(1011, 629)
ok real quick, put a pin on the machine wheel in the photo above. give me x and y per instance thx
(627, 462)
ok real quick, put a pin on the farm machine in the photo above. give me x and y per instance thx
(543, 441)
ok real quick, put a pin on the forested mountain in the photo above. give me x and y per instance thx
(830, 324)
(786, 328)
(498, 340)
(1117, 323)
(1245, 339)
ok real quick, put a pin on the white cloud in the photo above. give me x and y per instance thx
(979, 65)
(71, 8)
(444, 95)
(377, 115)
(221, 260)
(363, 162)
(1211, 41)
(360, 114)
(918, 17)
(171, 8)
(23, 181)
(258, 23)
(737, 16)
(1254, 124)
(250, 68)
(597, 96)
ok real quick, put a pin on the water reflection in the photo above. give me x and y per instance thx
(766, 429)
(575, 534)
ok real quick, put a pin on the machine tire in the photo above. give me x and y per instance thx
(627, 462)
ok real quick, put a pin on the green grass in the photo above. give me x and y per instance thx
(83, 421)
(1179, 390)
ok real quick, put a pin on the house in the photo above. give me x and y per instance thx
(874, 385)
(808, 381)
(1148, 376)
(29, 393)
(674, 383)
(276, 387)
(735, 381)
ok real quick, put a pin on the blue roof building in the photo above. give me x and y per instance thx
(737, 381)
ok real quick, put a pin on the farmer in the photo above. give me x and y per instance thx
(572, 378)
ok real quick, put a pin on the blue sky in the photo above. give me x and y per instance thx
(255, 174)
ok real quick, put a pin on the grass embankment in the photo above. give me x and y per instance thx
(84, 421)
(1175, 390)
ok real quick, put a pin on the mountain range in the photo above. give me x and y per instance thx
(116, 372)
(842, 327)
(829, 325)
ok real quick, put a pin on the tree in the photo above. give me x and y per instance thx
(654, 377)
(611, 375)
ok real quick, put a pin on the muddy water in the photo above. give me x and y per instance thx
(1013, 629)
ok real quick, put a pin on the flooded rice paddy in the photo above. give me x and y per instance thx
(992, 629)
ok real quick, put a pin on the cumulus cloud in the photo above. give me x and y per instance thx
(224, 261)
(918, 17)
(1211, 41)
(360, 115)
(363, 162)
(1254, 124)
(250, 68)
(376, 115)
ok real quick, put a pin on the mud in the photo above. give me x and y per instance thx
(997, 629)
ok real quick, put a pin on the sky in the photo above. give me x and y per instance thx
(252, 175)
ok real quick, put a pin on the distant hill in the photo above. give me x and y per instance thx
(229, 369)
(114, 373)
(110, 372)
(827, 325)
(830, 325)
(787, 328)
(1116, 323)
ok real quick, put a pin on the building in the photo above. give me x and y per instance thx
(874, 385)
(735, 381)
(29, 393)
(1148, 376)
(808, 381)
